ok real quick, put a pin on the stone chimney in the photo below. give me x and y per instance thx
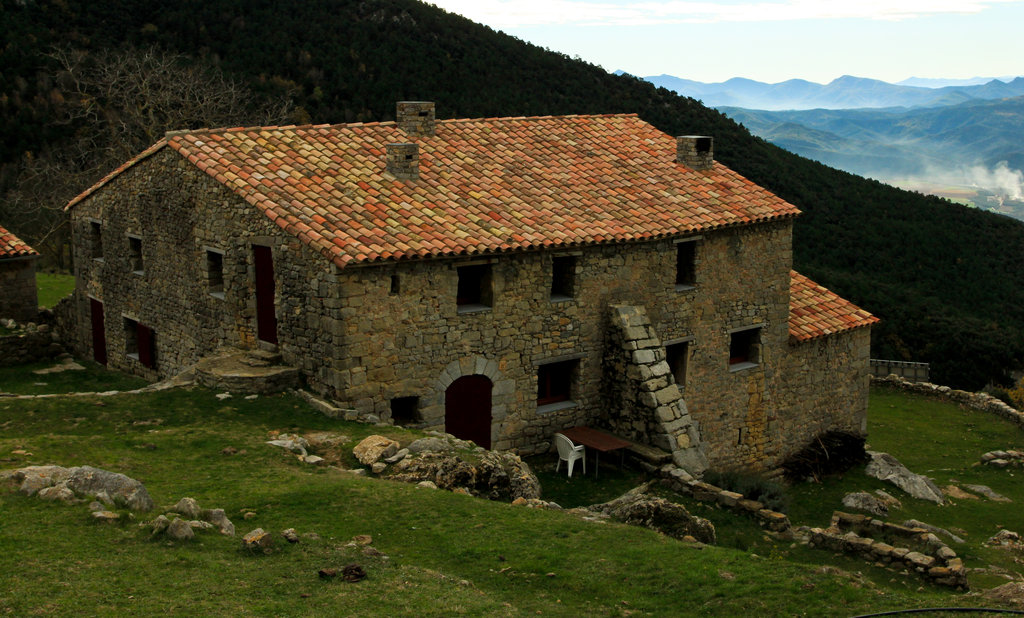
(416, 117)
(404, 161)
(695, 152)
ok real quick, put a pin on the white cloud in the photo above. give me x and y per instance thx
(522, 13)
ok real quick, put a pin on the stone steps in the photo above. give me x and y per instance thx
(246, 371)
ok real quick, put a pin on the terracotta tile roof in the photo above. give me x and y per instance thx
(12, 247)
(485, 185)
(815, 311)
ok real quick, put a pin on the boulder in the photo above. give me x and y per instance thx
(179, 530)
(987, 491)
(637, 508)
(187, 507)
(219, 519)
(885, 467)
(863, 501)
(58, 493)
(430, 445)
(295, 444)
(35, 478)
(123, 490)
(257, 539)
(498, 475)
(374, 448)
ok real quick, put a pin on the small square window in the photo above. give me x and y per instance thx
(135, 254)
(96, 239)
(745, 348)
(686, 264)
(215, 272)
(474, 292)
(563, 277)
(677, 355)
(555, 382)
(396, 285)
(405, 410)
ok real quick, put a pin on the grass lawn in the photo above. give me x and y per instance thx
(52, 287)
(444, 553)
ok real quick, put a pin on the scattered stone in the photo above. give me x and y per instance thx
(327, 573)
(187, 507)
(378, 467)
(290, 535)
(248, 515)
(888, 500)
(195, 524)
(362, 539)
(58, 493)
(84, 481)
(1005, 538)
(885, 467)
(372, 552)
(95, 505)
(218, 518)
(107, 516)
(228, 450)
(913, 523)
(252, 397)
(295, 444)
(496, 476)
(430, 445)
(223, 396)
(863, 501)
(955, 492)
(374, 448)
(397, 457)
(311, 459)
(429, 485)
(179, 530)
(635, 507)
(159, 525)
(1008, 594)
(257, 539)
(353, 573)
(987, 491)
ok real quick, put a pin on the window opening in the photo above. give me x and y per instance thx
(135, 254)
(474, 291)
(555, 382)
(744, 347)
(563, 277)
(96, 239)
(215, 271)
(405, 410)
(677, 355)
(395, 284)
(686, 258)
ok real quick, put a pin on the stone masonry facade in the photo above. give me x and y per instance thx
(18, 301)
(165, 251)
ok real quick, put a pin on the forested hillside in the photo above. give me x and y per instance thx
(945, 280)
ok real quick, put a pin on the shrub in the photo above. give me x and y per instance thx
(830, 453)
(753, 486)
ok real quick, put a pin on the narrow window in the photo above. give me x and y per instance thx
(96, 239)
(405, 410)
(677, 355)
(395, 285)
(745, 348)
(686, 259)
(215, 272)
(135, 254)
(474, 291)
(563, 277)
(555, 382)
(131, 338)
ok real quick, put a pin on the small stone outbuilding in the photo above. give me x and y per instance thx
(19, 300)
(500, 279)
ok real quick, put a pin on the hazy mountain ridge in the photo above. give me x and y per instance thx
(846, 92)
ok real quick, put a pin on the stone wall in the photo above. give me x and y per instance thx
(30, 343)
(981, 401)
(915, 372)
(18, 300)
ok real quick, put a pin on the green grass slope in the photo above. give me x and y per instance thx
(443, 553)
(945, 279)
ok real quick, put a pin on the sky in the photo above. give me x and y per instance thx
(771, 40)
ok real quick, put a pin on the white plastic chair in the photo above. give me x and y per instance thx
(569, 453)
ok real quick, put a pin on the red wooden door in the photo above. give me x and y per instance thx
(99, 332)
(467, 409)
(266, 316)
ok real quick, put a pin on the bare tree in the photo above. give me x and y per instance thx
(116, 104)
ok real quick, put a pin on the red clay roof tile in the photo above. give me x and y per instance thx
(13, 247)
(815, 311)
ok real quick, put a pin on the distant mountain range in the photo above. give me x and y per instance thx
(846, 92)
(890, 144)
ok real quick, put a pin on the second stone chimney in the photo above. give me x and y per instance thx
(403, 161)
(695, 152)
(416, 117)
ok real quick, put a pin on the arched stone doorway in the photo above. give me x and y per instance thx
(467, 409)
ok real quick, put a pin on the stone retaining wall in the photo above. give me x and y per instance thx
(30, 344)
(915, 372)
(19, 299)
(976, 401)
(929, 556)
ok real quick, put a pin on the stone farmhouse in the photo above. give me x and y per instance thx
(18, 297)
(499, 279)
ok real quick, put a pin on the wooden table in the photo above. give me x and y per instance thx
(598, 440)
